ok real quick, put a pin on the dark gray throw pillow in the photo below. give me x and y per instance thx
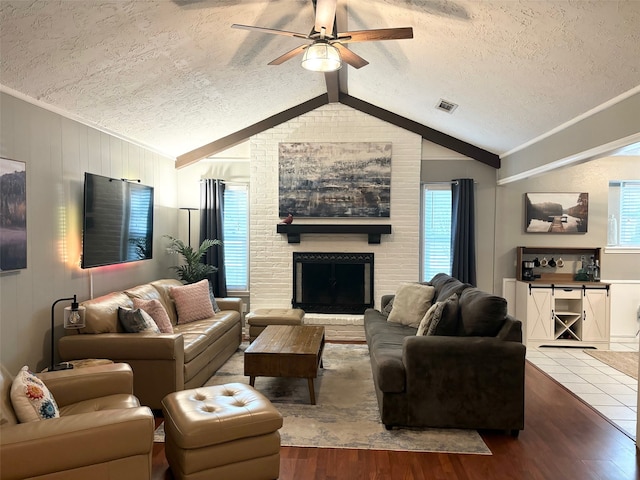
(387, 308)
(445, 318)
(482, 314)
(136, 321)
(212, 297)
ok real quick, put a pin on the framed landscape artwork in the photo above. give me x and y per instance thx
(556, 212)
(13, 215)
(350, 179)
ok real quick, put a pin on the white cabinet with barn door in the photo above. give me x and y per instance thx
(564, 315)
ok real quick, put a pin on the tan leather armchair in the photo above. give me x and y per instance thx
(102, 432)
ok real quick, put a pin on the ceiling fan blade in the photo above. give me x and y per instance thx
(379, 34)
(356, 61)
(325, 15)
(289, 55)
(269, 30)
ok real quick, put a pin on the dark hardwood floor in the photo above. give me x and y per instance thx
(563, 439)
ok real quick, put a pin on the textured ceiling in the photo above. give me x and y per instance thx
(173, 75)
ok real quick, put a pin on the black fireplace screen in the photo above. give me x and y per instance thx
(333, 282)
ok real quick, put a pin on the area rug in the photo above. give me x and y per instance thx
(346, 412)
(625, 362)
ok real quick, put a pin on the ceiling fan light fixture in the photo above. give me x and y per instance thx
(321, 57)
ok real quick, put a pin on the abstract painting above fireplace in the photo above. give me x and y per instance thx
(332, 282)
(348, 179)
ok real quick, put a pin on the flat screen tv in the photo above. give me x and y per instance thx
(117, 221)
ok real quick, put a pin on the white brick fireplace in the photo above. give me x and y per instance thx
(271, 256)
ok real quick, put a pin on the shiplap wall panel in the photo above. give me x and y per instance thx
(57, 152)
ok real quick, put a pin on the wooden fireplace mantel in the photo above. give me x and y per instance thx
(374, 231)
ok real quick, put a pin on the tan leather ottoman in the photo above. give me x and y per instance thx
(259, 319)
(226, 432)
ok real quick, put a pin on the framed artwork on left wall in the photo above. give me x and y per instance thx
(13, 215)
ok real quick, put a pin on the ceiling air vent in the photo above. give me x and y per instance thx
(446, 106)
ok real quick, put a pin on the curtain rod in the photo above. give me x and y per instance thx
(225, 182)
(451, 182)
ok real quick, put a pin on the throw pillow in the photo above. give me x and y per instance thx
(157, 312)
(482, 313)
(441, 318)
(445, 318)
(31, 399)
(136, 321)
(411, 302)
(192, 301)
(212, 297)
(387, 308)
(424, 323)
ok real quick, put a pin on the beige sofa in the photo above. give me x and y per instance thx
(102, 433)
(162, 363)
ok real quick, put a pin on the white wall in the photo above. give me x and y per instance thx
(57, 152)
(592, 177)
(442, 165)
(396, 257)
(232, 166)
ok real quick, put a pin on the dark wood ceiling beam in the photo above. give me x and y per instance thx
(427, 133)
(241, 135)
(332, 79)
(333, 88)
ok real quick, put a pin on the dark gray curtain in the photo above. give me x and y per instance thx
(463, 249)
(211, 202)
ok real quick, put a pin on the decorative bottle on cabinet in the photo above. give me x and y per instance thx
(596, 271)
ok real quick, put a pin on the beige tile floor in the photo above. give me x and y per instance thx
(609, 391)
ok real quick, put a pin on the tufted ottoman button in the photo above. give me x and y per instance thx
(223, 432)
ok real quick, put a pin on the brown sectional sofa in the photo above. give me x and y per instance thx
(165, 362)
(468, 375)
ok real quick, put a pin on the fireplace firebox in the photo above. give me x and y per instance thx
(333, 282)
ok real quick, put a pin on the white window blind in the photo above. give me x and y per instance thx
(630, 214)
(624, 213)
(436, 230)
(139, 215)
(236, 237)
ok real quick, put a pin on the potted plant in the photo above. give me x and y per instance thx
(192, 270)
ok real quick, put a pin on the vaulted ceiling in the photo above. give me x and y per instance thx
(173, 75)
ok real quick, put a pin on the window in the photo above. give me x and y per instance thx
(140, 222)
(235, 230)
(624, 213)
(436, 230)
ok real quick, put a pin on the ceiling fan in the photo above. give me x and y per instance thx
(325, 50)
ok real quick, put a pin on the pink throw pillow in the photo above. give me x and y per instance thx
(192, 301)
(156, 311)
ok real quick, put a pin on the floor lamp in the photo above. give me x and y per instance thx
(189, 209)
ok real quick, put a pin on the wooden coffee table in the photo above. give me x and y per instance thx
(286, 351)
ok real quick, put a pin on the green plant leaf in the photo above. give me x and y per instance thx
(193, 270)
